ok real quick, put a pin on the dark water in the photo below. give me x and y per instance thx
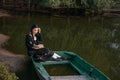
(61, 70)
(96, 39)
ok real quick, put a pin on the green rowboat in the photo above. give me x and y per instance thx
(84, 70)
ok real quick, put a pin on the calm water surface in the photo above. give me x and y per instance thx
(96, 39)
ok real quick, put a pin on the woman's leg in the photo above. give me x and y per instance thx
(55, 56)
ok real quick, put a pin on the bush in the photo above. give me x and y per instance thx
(91, 4)
(63, 3)
(98, 4)
(56, 3)
(5, 74)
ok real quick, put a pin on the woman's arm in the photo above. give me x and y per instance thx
(29, 42)
(38, 35)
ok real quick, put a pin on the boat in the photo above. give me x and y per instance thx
(85, 71)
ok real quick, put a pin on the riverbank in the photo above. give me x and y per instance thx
(112, 13)
(9, 59)
(4, 13)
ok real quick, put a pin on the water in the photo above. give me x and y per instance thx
(61, 70)
(96, 39)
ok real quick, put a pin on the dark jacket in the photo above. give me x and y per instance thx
(29, 41)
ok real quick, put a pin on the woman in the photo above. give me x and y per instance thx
(33, 40)
(33, 43)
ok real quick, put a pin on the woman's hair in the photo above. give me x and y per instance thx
(33, 26)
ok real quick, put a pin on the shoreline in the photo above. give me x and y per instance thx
(11, 60)
(4, 13)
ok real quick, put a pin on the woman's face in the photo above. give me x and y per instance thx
(35, 30)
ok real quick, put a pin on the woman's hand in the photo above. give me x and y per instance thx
(38, 46)
(39, 30)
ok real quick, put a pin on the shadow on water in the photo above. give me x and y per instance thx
(89, 37)
(28, 73)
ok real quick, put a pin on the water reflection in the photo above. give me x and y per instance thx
(28, 72)
(115, 43)
(93, 38)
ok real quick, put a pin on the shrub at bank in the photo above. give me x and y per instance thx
(5, 74)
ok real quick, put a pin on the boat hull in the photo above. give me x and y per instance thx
(76, 62)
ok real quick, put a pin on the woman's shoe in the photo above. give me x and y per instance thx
(59, 59)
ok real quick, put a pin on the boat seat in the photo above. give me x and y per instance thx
(54, 62)
(73, 77)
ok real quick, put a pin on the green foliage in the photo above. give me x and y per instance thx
(104, 4)
(91, 4)
(69, 3)
(54, 3)
(63, 3)
(5, 74)
(98, 4)
(84, 3)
